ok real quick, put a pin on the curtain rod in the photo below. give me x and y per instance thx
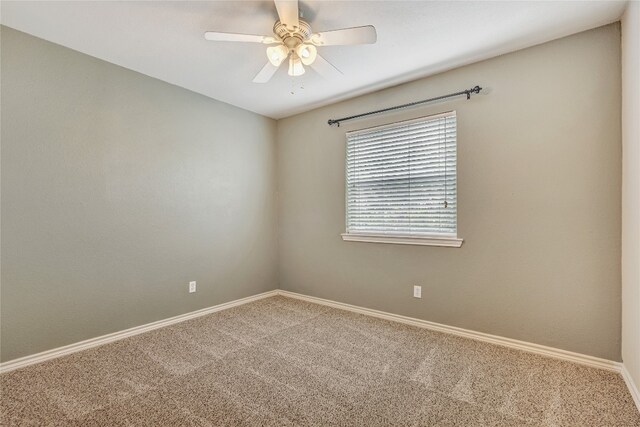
(467, 92)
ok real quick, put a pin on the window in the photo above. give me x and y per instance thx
(401, 183)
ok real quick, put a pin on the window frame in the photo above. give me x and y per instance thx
(422, 239)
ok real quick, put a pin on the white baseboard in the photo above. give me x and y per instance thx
(569, 356)
(583, 359)
(631, 385)
(557, 353)
(105, 339)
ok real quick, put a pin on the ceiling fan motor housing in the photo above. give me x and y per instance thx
(290, 38)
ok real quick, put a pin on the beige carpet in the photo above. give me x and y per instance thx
(283, 362)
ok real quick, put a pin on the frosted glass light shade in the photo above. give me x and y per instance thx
(307, 53)
(277, 54)
(295, 66)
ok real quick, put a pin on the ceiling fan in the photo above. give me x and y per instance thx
(294, 39)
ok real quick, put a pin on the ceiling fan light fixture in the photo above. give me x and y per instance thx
(277, 54)
(295, 66)
(293, 39)
(307, 53)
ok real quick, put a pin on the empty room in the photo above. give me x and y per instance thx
(320, 213)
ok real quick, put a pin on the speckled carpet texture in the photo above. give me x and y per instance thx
(285, 362)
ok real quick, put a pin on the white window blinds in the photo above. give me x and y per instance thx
(401, 178)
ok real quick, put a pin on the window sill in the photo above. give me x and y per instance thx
(450, 242)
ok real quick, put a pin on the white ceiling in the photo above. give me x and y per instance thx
(415, 39)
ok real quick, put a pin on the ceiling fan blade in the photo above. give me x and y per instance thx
(233, 37)
(325, 68)
(266, 73)
(355, 35)
(288, 12)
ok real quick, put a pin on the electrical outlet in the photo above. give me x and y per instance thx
(417, 291)
(192, 287)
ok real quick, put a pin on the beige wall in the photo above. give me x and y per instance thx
(631, 190)
(539, 180)
(117, 190)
